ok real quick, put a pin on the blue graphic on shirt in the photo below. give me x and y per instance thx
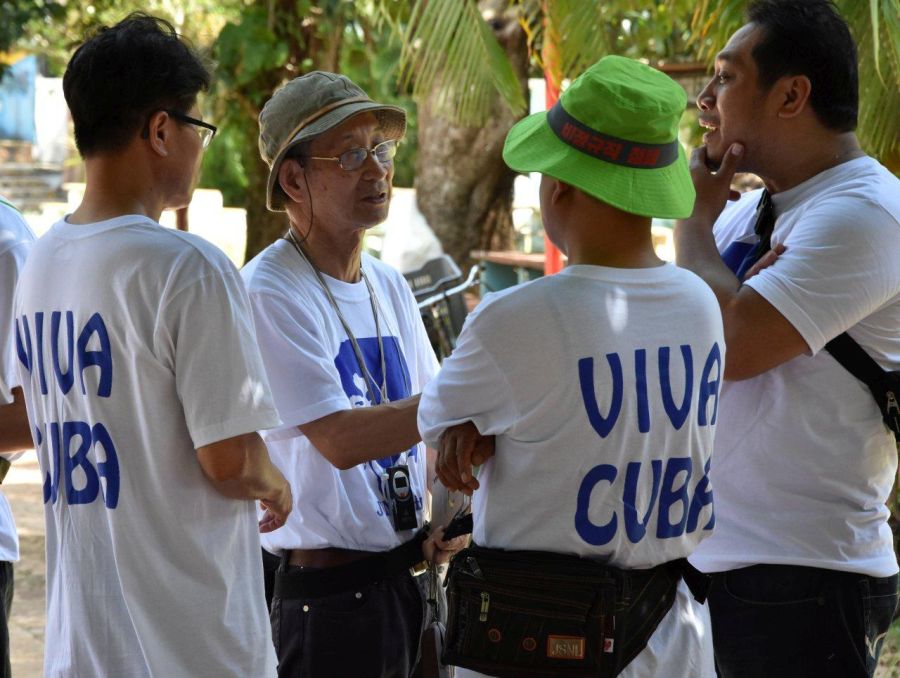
(737, 256)
(80, 453)
(397, 382)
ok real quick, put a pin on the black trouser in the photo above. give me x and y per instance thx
(270, 564)
(784, 620)
(372, 631)
(6, 596)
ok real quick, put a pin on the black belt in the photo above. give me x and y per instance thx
(382, 565)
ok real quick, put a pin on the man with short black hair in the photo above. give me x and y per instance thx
(145, 390)
(347, 356)
(805, 571)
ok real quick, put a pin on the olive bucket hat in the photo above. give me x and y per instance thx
(614, 135)
(308, 106)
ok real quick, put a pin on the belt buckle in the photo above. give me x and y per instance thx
(419, 568)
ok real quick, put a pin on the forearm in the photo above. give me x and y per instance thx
(243, 470)
(350, 437)
(696, 251)
(15, 433)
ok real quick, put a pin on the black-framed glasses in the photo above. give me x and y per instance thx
(204, 129)
(354, 158)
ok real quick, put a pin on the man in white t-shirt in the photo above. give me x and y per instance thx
(16, 239)
(806, 577)
(145, 390)
(347, 356)
(599, 383)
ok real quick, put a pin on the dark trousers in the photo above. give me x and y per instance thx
(370, 632)
(783, 620)
(6, 596)
(270, 564)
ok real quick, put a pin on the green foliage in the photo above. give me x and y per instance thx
(447, 42)
(222, 167)
(272, 43)
(55, 29)
(450, 46)
(370, 57)
(17, 15)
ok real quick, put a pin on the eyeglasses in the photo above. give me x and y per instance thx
(206, 131)
(354, 158)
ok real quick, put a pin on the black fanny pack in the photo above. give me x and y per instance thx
(533, 613)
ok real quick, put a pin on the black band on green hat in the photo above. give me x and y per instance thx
(607, 147)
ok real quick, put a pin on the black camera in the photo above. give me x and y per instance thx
(400, 494)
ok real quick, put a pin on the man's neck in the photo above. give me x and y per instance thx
(113, 188)
(339, 259)
(802, 161)
(609, 237)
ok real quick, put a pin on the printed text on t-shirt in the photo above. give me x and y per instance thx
(82, 451)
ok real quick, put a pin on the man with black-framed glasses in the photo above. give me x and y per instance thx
(205, 130)
(347, 356)
(143, 410)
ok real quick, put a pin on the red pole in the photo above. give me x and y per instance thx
(552, 79)
(552, 255)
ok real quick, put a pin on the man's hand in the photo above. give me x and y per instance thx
(713, 188)
(438, 551)
(277, 509)
(461, 447)
(765, 261)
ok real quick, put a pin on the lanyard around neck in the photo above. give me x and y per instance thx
(371, 384)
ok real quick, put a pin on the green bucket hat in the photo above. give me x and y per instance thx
(614, 135)
(308, 106)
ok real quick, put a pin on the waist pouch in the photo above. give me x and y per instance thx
(518, 613)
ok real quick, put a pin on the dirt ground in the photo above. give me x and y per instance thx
(23, 489)
(26, 629)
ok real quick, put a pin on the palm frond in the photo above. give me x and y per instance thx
(581, 34)
(449, 46)
(876, 29)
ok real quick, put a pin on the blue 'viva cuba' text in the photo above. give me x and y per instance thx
(669, 477)
(73, 445)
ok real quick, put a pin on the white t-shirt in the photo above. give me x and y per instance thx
(135, 348)
(803, 462)
(601, 385)
(16, 239)
(314, 373)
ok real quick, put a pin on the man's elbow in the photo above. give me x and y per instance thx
(336, 454)
(229, 462)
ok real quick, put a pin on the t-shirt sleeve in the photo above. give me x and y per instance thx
(427, 364)
(305, 382)
(841, 265)
(11, 261)
(469, 387)
(205, 334)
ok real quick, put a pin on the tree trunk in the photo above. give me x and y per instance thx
(263, 227)
(463, 188)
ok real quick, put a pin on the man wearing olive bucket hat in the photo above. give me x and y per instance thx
(600, 385)
(347, 355)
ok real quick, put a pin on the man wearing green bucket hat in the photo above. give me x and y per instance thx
(601, 387)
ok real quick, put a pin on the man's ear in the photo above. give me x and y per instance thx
(291, 179)
(159, 133)
(793, 95)
(559, 191)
